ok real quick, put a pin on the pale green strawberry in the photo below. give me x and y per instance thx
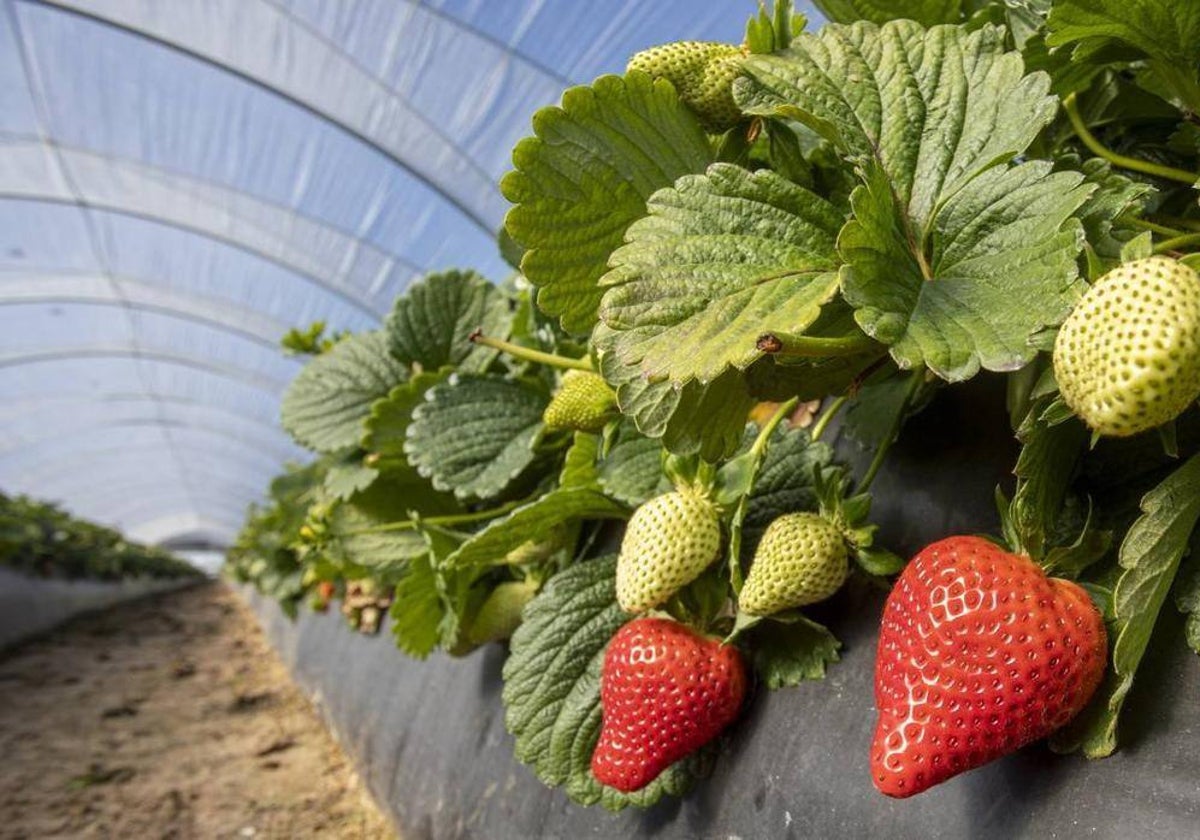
(702, 72)
(1127, 359)
(669, 541)
(500, 614)
(801, 559)
(584, 403)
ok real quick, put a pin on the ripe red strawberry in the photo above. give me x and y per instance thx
(979, 654)
(665, 691)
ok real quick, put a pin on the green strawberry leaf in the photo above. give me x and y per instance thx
(432, 604)
(632, 470)
(721, 259)
(461, 591)
(1187, 595)
(1106, 212)
(352, 539)
(586, 175)
(871, 415)
(693, 419)
(1150, 556)
(954, 258)
(579, 467)
(1115, 32)
(1163, 29)
(1044, 470)
(474, 435)
(431, 323)
(787, 654)
(1026, 19)
(416, 609)
(386, 426)
(926, 12)
(355, 533)
(534, 522)
(348, 477)
(1002, 268)
(552, 687)
(325, 405)
(934, 108)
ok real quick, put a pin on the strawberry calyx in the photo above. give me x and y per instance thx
(849, 513)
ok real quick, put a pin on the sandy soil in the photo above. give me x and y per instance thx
(168, 718)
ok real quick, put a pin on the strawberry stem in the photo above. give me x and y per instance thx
(528, 354)
(815, 347)
(757, 452)
(764, 434)
(1182, 224)
(1146, 224)
(1135, 164)
(1176, 242)
(893, 432)
(455, 519)
(819, 427)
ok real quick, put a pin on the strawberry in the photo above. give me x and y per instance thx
(1127, 358)
(979, 654)
(702, 72)
(669, 541)
(665, 691)
(500, 613)
(801, 559)
(584, 403)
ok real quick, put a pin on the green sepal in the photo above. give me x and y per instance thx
(879, 561)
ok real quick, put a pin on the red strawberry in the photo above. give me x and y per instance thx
(665, 692)
(979, 654)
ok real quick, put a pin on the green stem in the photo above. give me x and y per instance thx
(530, 355)
(1145, 224)
(455, 519)
(1135, 164)
(815, 347)
(764, 434)
(757, 451)
(818, 428)
(1182, 224)
(1176, 242)
(893, 433)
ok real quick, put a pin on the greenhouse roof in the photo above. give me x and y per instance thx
(180, 183)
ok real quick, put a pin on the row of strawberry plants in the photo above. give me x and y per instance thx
(40, 538)
(710, 249)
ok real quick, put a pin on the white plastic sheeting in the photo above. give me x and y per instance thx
(181, 182)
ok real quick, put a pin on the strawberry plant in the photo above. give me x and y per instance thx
(39, 538)
(854, 217)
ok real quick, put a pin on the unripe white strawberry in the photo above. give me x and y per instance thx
(669, 541)
(584, 403)
(801, 559)
(702, 72)
(1127, 359)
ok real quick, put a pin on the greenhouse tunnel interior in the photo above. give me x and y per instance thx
(688, 419)
(182, 183)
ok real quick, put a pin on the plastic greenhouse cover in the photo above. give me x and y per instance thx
(180, 183)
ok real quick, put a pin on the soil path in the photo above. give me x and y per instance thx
(168, 718)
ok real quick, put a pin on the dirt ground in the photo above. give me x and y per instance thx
(168, 718)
